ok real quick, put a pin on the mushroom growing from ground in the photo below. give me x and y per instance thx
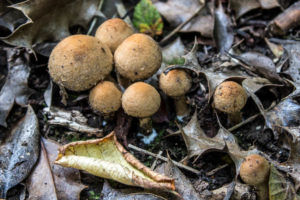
(105, 97)
(113, 32)
(79, 62)
(141, 100)
(176, 83)
(138, 57)
(230, 97)
(255, 171)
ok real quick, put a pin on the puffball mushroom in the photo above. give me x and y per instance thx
(79, 62)
(138, 57)
(141, 100)
(230, 97)
(176, 83)
(255, 171)
(113, 32)
(105, 97)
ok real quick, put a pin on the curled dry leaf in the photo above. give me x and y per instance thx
(109, 193)
(107, 158)
(19, 152)
(54, 181)
(15, 88)
(177, 12)
(49, 20)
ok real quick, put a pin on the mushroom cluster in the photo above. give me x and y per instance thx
(80, 62)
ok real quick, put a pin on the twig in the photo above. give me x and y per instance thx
(180, 26)
(155, 161)
(164, 159)
(250, 119)
(95, 18)
(212, 172)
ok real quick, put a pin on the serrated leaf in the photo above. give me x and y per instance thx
(107, 158)
(147, 19)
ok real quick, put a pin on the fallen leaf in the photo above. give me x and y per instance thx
(277, 49)
(109, 193)
(223, 33)
(280, 188)
(268, 4)
(241, 7)
(106, 158)
(173, 51)
(122, 127)
(197, 142)
(50, 20)
(293, 50)
(15, 88)
(48, 94)
(55, 182)
(177, 12)
(183, 185)
(19, 152)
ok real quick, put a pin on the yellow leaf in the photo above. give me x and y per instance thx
(107, 158)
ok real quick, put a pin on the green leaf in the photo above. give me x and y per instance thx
(279, 187)
(147, 19)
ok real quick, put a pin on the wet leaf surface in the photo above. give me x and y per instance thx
(15, 89)
(55, 182)
(19, 152)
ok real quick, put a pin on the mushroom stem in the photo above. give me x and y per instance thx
(181, 106)
(235, 118)
(262, 191)
(146, 124)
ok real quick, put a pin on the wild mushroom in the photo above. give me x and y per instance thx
(138, 57)
(113, 32)
(105, 97)
(79, 62)
(141, 100)
(176, 83)
(255, 171)
(230, 97)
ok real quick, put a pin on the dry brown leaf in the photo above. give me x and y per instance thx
(49, 20)
(55, 182)
(107, 158)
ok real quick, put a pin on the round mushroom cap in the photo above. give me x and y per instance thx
(112, 32)
(138, 57)
(230, 97)
(79, 62)
(140, 100)
(175, 83)
(254, 170)
(105, 97)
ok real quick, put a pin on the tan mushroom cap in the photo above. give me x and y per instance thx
(138, 57)
(175, 83)
(79, 62)
(105, 97)
(230, 97)
(113, 32)
(254, 170)
(140, 100)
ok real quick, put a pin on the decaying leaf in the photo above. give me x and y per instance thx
(183, 185)
(19, 152)
(109, 193)
(107, 158)
(197, 142)
(54, 181)
(15, 88)
(147, 19)
(293, 50)
(280, 188)
(172, 52)
(50, 20)
(177, 12)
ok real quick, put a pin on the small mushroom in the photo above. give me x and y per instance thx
(141, 100)
(230, 97)
(105, 97)
(255, 171)
(113, 32)
(138, 57)
(176, 83)
(79, 62)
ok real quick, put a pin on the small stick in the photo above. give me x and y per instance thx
(212, 172)
(164, 159)
(250, 119)
(95, 18)
(155, 161)
(179, 27)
